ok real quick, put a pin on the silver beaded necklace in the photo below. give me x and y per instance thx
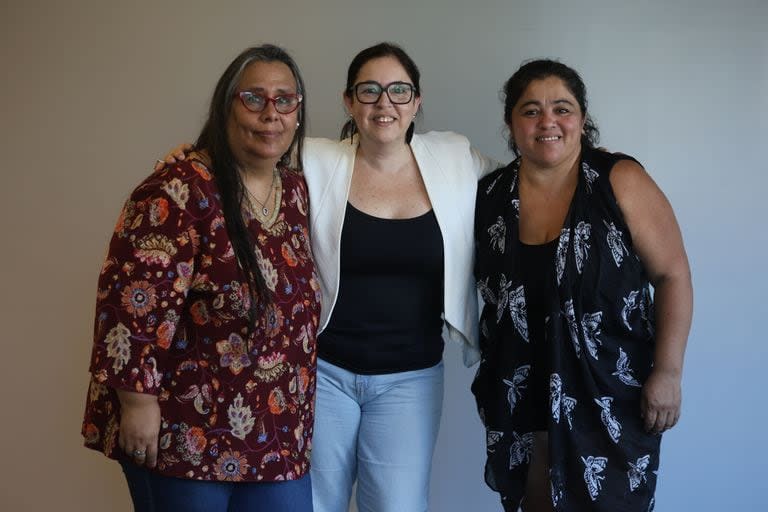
(264, 209)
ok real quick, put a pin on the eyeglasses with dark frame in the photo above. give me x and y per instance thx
(370, 91)
(255, 102)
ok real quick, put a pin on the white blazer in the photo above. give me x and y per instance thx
(450, 169)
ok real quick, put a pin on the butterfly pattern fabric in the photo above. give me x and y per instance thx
(599, 342)
(637, 471)
(516, 385)
(559, 402)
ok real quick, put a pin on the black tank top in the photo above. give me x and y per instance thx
(537, 264)
(388, 315)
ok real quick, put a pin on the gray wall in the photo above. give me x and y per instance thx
(94, 91)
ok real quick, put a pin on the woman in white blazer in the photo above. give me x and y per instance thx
(381, 201)
(391, 216)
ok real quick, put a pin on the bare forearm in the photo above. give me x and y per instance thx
(674, 309)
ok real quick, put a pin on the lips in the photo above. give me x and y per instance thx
(383, 119)
(269, 135)
(550, 138)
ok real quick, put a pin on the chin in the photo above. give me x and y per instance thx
(552, 158)
(543, 161)
(391, 137)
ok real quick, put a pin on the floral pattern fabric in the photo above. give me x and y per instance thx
(172, 319)
(599, 340)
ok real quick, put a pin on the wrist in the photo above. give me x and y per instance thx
(130, 399)
(671, 371)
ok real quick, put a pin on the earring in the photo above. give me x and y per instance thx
(298, 123)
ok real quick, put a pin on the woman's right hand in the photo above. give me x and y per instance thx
(139, 427)
(175, 155)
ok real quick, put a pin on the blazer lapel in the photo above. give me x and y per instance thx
(435, 180)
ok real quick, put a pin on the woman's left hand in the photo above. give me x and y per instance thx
(660, 401)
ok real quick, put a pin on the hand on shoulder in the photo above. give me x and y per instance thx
(177, 154)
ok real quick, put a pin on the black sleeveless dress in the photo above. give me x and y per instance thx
(599, 339)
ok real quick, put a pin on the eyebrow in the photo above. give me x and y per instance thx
(538, 103)
(262, 90)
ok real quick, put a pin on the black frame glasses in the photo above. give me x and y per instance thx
(283, 103)
(370, 91)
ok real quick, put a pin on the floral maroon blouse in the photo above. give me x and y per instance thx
(172, 320)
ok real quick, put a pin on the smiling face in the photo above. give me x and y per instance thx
(382, 122)
(546, 123)
(259, 139)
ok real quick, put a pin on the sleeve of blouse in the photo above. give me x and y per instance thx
(145, 280)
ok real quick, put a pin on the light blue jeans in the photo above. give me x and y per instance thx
(379, 430)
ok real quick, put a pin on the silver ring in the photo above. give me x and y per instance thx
(138, 453)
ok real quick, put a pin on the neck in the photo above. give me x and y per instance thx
(254, 168)
(257, 173)
(550, 178)
(384, 157)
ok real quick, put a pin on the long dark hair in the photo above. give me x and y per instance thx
(376, 52)
(539, 70)
(213, 139)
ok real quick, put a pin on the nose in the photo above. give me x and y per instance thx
(383, 99)
(270, 111)
(547, 118)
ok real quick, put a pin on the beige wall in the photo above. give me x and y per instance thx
(93, 91)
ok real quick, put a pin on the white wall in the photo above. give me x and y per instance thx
(94, 91)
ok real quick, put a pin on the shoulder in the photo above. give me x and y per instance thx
(493, 190)
(195, 169)
(318, 147)
(628, 183)
(632, 185)
(323, 158)
(616, 170)
(627, 171)
(490, 183)
(186, 185)
(167, 203)
(292, 178)
(623, 170)
(449, 152)
(321, 155)
(605, 162)
(443, 140)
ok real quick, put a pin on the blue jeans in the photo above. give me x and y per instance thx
(378, 429)
(152, 492)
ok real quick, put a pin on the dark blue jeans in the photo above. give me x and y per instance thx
(152, 492)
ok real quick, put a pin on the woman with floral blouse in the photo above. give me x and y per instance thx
(203, 363)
